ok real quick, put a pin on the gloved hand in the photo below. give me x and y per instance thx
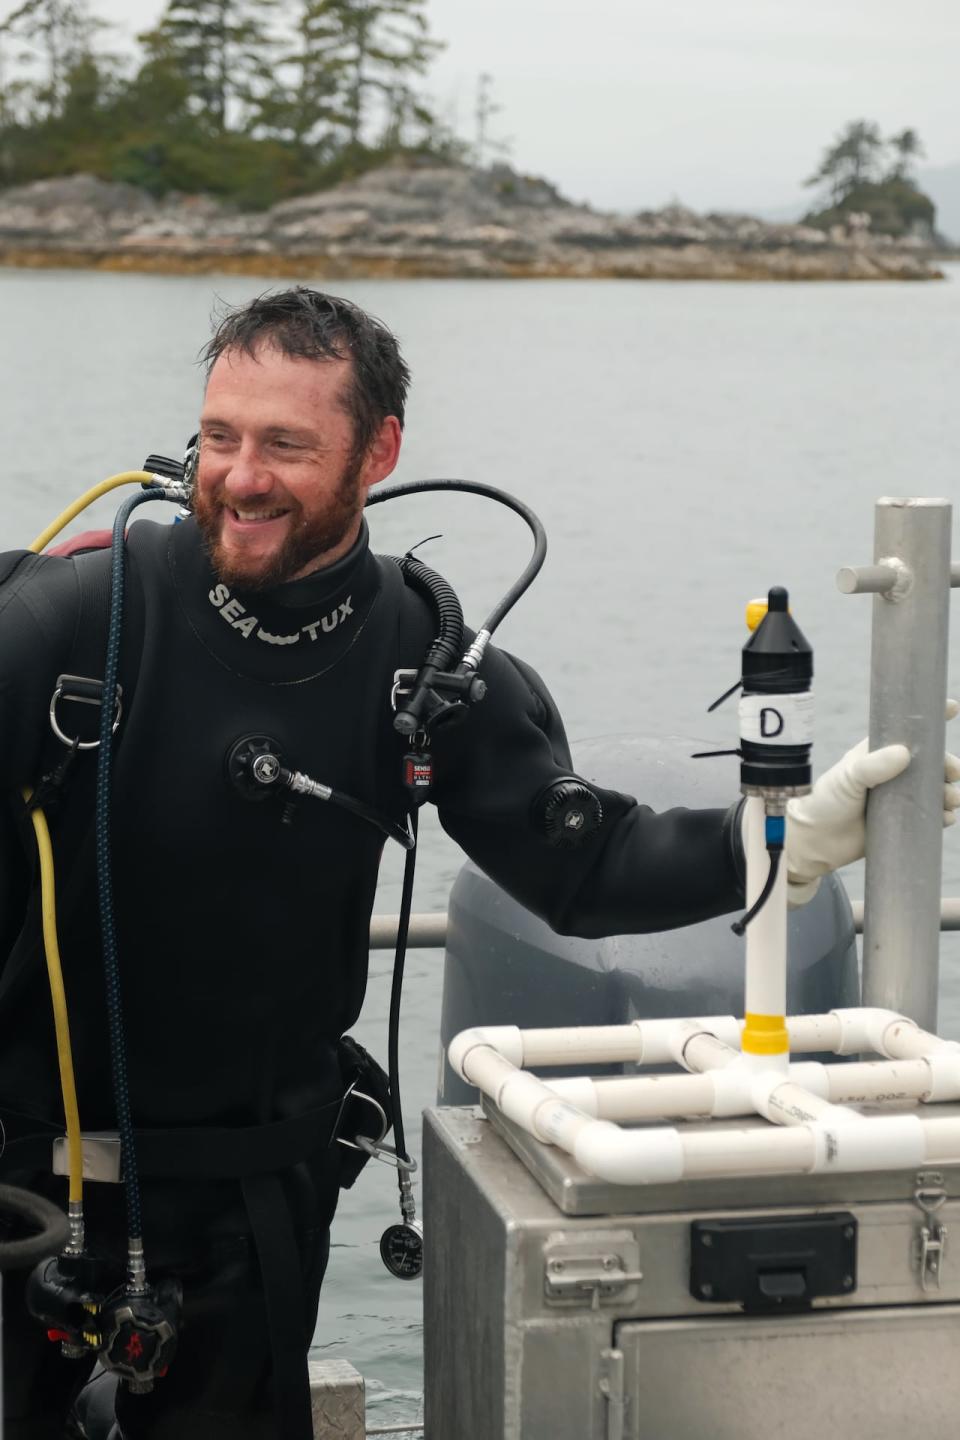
(826, 829)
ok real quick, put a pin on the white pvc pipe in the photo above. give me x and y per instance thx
(812, 1131)
(766, 939)
(651, 1042)
(643, 1097)
(766, 982)
(583, 1045)
(813, 1032)
(702, 1051)
(730, 1091)
(783, 1102)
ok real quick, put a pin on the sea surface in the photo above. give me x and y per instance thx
(687, 445)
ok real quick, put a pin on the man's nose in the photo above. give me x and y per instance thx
(247, 475)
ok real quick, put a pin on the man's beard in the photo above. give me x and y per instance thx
(308, 540)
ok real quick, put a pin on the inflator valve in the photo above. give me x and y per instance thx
(567, 813)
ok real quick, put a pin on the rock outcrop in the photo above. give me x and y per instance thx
(428, 220)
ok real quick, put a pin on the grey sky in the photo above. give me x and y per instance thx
(720, 103)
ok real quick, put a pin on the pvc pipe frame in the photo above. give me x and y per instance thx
(812, 1128)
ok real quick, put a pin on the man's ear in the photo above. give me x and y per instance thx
(383, 453)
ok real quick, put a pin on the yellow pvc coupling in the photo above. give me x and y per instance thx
(765, 1035)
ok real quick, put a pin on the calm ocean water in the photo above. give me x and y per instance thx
(687, 445)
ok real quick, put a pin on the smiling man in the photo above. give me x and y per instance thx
(243, 938)
(288, 451)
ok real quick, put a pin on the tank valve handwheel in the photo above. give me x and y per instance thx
(401, 1249)
(568, 813)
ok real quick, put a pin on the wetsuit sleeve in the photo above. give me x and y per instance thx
(640, 872)
(39, 600)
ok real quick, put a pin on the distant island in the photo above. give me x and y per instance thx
(293, 138)
(420, 217)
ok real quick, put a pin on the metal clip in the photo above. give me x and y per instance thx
(930, 1195)
(402, 685)
(581, 1277)
(85, 692)
(386, 1153)
(384, 1123)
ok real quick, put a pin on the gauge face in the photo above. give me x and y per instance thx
(401, 1249)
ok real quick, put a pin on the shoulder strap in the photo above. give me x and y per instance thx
(90, 635)
(16, 840)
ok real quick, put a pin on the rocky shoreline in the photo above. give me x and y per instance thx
(427, 221)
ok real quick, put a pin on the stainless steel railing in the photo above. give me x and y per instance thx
(428, 931)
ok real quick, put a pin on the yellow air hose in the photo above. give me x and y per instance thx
(126, 477)
(47, 880)
(51, 945)
(58, 996)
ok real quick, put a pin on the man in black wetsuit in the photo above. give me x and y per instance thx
(243, 939)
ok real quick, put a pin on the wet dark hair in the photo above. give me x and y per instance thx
(309, 325)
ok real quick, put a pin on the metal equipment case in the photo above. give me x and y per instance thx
(558, 1307)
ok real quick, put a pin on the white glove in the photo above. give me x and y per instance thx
(827, 828)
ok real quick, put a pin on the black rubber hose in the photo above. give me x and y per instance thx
(42, 1216)
(473, 487)
(111, 967)
(443, 599)
(366, 812)
(396, 989)
(739, 926)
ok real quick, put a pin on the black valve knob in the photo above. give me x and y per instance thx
(140, 1335)
(254, 766)
(163, 465)
(568, 812)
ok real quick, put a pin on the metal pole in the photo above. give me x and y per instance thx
(908, 687)
(949, 914)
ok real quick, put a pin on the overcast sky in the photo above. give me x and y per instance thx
(718, 103)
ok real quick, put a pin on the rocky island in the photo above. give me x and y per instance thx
(430, 220)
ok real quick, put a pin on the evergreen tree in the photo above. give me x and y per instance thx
(304, 104)
(852, 159)
(222, 48)
(59, 33)
(375, 47)
(859, 183)
(907, 148)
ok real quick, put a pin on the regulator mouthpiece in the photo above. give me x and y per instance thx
(776, 706)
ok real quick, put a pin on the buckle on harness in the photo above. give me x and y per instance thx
(352, 1093)
(84, 692)
(402, 685)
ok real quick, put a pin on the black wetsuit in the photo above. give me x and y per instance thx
(243, 939)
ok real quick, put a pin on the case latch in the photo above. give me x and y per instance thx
(930, 1195)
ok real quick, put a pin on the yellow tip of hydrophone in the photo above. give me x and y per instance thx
(756, 610)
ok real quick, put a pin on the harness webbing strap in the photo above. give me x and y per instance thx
(197, 1153)
(283, 1290)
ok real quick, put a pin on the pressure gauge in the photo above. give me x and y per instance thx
(401, 1249)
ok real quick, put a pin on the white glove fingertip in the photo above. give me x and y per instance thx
(951, 767)
(878, 766)
(949, 819)
(953, 708)
(951, 797)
